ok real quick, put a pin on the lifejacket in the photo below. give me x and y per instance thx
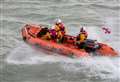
(46, 36)
(81, 37)
(57, 28)
(53, 33)
(59, 34)
(85, 33)
(60, 29)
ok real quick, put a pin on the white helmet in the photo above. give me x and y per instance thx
(82, 29)
(58, 21)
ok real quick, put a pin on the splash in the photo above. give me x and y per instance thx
(94, 67)
(26, 54)
(88, 67)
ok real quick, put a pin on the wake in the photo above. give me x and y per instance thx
(91, 67)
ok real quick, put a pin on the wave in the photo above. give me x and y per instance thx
(113, 7)
(98, 68)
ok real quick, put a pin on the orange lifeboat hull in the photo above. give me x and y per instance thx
(30, 31)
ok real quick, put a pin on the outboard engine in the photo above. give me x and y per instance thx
(91, 45)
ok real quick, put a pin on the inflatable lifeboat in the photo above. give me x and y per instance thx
(68, 47)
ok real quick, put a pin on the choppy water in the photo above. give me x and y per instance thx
(19, 62)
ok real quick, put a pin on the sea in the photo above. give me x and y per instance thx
(20, 62)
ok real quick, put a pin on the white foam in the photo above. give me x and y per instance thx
(101, 67)
(98, 67)
(25, 54)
